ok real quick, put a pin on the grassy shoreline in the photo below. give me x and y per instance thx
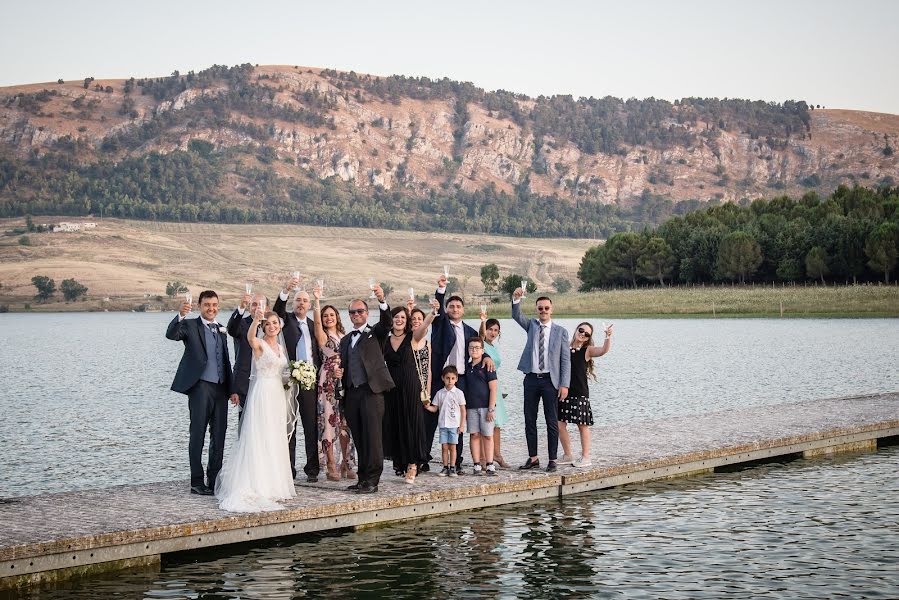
(854, 301)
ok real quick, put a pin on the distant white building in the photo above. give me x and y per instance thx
(73, 227)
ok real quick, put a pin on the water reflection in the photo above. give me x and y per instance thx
(805, 529)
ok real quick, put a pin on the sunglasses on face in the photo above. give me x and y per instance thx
(583, 331)
(357, 311)
(544, 308)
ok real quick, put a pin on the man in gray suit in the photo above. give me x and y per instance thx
(546, 364)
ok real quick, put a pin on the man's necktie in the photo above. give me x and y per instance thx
(541, 364)
(301, 347)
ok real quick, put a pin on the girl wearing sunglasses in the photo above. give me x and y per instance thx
(576, 407)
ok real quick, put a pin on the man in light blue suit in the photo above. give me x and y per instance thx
(546, 364)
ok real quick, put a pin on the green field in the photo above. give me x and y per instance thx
(726, 301)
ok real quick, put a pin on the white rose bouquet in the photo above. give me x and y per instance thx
(303, 374)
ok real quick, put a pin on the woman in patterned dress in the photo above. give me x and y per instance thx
(332, 425)
(576, 407)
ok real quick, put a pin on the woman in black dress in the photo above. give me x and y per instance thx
(576, 407)
(403, 417)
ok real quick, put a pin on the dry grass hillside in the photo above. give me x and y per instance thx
(409, 143)
(127, 261)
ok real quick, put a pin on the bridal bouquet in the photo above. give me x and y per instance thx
(303, 374)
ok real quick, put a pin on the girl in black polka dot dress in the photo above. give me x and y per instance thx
(576, 407)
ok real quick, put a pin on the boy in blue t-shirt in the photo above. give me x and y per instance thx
(480, 402)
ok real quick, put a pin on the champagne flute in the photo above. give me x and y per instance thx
(524, 287)
(411, 294)
(371, 286)
(484, 308)
(321, 288)
(436, 313)
(248, 287)
(188, 297)
(446, 271)
(296, 275)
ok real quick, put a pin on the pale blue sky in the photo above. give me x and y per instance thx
(837, 54)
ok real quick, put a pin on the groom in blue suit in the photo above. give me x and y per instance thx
(204, 374)
(546, 364)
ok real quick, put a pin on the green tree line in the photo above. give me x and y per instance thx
(851, 235)
(186, 186)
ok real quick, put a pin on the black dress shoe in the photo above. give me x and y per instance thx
(355, 487)
(311, 478)
(202, 490)
(424, 468)
(551, 466)
(530, 464)
(367, 489)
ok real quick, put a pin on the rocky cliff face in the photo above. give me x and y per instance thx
(417, 145)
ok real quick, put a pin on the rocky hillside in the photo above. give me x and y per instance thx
(430, 139)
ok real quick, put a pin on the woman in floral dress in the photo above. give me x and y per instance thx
(332, 425)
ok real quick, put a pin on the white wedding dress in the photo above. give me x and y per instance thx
(257, 473)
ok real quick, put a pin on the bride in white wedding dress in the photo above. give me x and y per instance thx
(257, 473)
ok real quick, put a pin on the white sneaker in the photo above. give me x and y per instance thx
(566, 459)
(583, 462)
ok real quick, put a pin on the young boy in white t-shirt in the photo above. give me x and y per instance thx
(450, 401)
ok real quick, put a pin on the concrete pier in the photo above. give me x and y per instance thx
(53, 536)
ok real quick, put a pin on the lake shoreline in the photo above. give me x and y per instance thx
(814, 301)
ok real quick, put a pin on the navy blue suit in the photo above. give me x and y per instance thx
(443, 338)
(207, 400)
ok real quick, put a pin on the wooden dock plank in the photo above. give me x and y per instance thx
(71, 529)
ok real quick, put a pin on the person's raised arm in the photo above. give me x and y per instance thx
(175, 331)
(516, 309)
(320, 336)
(382, 327)
(419, 333)
(255, 342)
(597, 351)
(440, 294)
(280, 307)
(237, 316)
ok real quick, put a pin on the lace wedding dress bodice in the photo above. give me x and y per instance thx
(270, 364)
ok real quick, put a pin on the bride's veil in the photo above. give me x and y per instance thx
(293, 405)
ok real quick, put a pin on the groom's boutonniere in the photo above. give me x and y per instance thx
(223, 329)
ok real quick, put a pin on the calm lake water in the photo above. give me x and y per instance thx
(88, 404)
(808, 529)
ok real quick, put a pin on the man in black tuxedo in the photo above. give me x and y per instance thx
(299, 336)
(238, 326)
(204, 374)
(365, 379)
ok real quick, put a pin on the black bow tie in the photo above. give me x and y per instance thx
(356, 332)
